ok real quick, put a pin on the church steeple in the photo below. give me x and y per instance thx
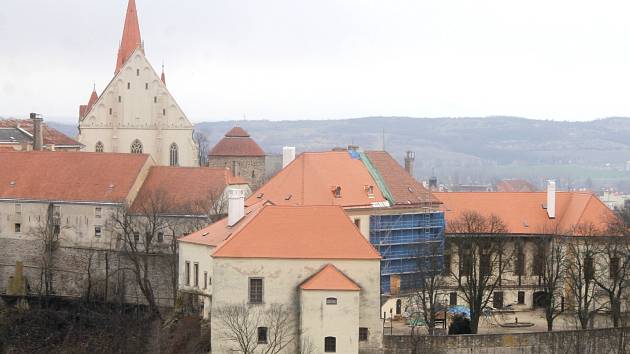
(131, 36)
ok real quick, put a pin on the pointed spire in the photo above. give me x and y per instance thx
(163, 75)
(131, 36)
(85, 108)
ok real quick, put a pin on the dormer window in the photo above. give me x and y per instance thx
(370, 191)
(337, 192)
(288, 197)
(331, 301)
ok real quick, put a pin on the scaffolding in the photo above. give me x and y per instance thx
(405, 241)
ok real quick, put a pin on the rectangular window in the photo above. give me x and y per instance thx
(205, 280)
(136, 236)
(331, 301)
(137, 72)
(255, 290)
(521, 298)
(56, 229)
(466, 263)
(163, 111)
(97, 213)
(110, 111)
(97, 231)
(187, 273)
(18, 209)
(357, 223)
(146, 86)
(262, 335)
(160, 237)
(446, 268)
(128, 85)
(330, 345)
(119, 99)
(452, 299)
(363, 334)
(18, 227)
(154, 99)
(588, 268)
(196, 271)
(539, 261)
(519, 266)
(497, 300)
(613, 267)
(484, 264)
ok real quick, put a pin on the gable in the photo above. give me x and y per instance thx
(143, 100)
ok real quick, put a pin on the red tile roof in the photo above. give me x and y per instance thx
(183, 190)
(236, 142)
(69, 176)
(311, 178)
(515, 185)
(330, 278)
(131, 36)
(51, 136)
(311, 232)
(523, 213)
(216, 233)
(404, 188)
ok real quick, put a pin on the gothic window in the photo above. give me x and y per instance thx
(174, 155)
(163, 111)
(136, 147)
(98, 147)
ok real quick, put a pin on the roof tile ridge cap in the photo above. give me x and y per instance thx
(378, 179)
(588, 202)
(238, 229)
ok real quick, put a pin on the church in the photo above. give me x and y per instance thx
(136, 113)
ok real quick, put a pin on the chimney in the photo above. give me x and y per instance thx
(288, 155)
(551, 199)
(409, 160)
(38, 136)
(236, 206)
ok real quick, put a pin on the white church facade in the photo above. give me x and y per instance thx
(136, 113)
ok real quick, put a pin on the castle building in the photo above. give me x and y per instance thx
(136, 113)
(241, 154)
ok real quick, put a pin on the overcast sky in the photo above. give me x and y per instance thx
(323, 59)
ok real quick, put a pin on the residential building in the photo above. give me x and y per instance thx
(238, 152)
(21, 135)
(531, 218)
(397, 214)
(79, 195)
(310, 260)
(136, 113)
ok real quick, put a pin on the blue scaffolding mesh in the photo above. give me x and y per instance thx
(405, 242)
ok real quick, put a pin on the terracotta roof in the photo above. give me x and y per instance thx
(51, 136)
(216, 233)
(131, 36)
(184, 190)
(515, 185)
(69, 176)
(311, 232)
(14, 136)
(236, 142)
(311, 178)
(523, 213)
(329, 278)
(237, 132)
(404, 188)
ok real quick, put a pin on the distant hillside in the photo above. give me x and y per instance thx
(464, 150)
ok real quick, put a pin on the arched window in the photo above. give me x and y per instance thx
(174, 155)
(136, 147)
(98, 147)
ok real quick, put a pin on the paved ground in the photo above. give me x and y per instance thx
(492, 325)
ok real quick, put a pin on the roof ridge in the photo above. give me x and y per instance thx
(239, 228)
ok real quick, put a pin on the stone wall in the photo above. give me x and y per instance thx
(596, 341)
(251, 168)
(70, 271)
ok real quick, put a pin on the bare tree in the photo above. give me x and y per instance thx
(203, 146)
(581, 251)
(140, 231)
(613, 270)
(428, 281)
(47, 232)
(483, 259)
(238, 325)
(552, 263)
